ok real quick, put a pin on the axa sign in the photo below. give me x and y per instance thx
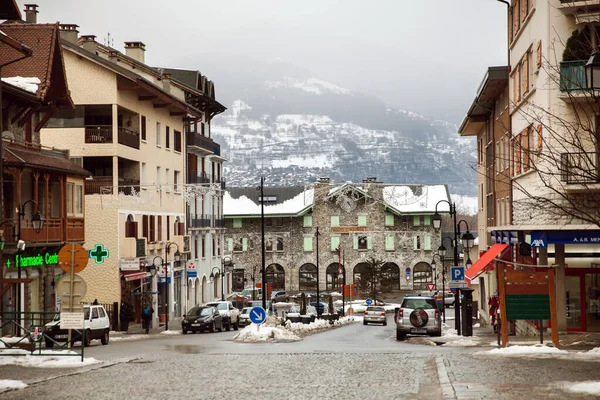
(542, 239)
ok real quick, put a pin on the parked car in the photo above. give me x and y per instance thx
(279, 296)
(374, 314)
(245, 317)
(418, 315)
(229, 313)
(448, 299)
(258, 303)
(247, 293)
(322, 307)
(96, 325)
(199, 319)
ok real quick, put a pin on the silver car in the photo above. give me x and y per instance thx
(374, 314)
(418, 315)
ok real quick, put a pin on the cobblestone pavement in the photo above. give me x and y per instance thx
(351, 362)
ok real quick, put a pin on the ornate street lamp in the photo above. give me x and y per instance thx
(592, 71)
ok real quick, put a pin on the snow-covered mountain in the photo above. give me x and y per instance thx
(296, 129)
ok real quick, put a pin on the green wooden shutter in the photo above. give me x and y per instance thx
(362, 220)
(308, 244)
(389, 220)
(335, 220)
(355, 242)
(427, 220)
(237, 222)
(244, 244)
(427, 244)
(335, 243)
(416, 220)
(307, 220)
(369, 243)
(415, 243)
(229, 244)
(389, 242)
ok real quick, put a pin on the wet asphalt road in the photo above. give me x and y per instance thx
(350, 362)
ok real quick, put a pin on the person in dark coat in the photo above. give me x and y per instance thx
(147, 312)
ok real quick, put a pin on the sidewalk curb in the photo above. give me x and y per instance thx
(82, 370)
(447, 388)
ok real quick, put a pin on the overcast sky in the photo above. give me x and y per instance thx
(427, 56)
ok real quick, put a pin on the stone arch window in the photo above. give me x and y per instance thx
(275, 275)
(390, 276)
(362, 276)
(422, 275)
(307, 277)
(334, 279)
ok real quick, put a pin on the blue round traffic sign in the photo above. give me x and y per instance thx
(369, 301)
(258, 315)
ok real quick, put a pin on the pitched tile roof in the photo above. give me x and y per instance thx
(46, 63)
(15, 156)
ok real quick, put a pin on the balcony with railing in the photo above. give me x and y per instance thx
(104, 185)
(202, 144)
(580, 169)
(583, 10)
(129, 137)
(98, 134)
(55, 230)
(572, 76)
(198, 221)
(198, 179)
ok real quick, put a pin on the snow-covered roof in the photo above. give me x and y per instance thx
(245, 206)
(416, 198)
(408, 199)
(28, 84)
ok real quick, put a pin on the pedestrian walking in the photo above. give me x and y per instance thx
(147, 312)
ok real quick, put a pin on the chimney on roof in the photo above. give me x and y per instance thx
(113, 55)
(323, 180)
(88, 42)
(166, 81)
(135, 50)
(69, 32)
(31, 13)
(371, 179)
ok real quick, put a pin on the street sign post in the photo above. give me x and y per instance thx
(258, 315)
(458, 285)
(430, 286)
(369, 301)
(457, 273)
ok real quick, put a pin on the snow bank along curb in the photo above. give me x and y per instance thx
(272, 330)
(9, 384)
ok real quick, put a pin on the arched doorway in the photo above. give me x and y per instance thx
(390, 277)
(422, 275)
(333, 278)
(363, 277)
(307, 276)
(197, 292)
(275, 275)
(203, 289)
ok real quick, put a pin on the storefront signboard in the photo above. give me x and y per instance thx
(543, 238)
(39, 260)
(129, 264)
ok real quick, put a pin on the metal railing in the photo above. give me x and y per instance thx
(580, 168)
(98, 134)
(203, 178)
(129, 138)
(194, 139)
(572, 76)
(200, 221)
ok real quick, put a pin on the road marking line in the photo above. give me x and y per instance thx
(447, 388)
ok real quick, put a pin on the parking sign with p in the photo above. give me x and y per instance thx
(457, 273)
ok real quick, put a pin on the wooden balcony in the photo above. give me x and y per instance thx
(95, 185)
(202, 144)
(129, 138)
(54, 231)
(98, 134)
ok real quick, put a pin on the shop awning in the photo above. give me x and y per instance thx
(485, 260)
(134, 275)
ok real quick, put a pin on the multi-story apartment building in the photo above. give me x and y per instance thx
(128, 130)
(553, 152)
(325, 227)
(488, 120)
(204, 185)
(38, 183)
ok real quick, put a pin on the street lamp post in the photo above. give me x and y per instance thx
(318, 304)
(225, 262)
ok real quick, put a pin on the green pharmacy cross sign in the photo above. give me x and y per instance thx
(99, 254)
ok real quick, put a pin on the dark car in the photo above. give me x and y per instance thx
(322, 308)
(201, 319)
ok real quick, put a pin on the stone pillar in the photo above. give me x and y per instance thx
(115, 175)
(561, 300)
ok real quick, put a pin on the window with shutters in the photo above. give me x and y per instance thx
(307, 221)
(143, 124)
(167, 137)
(237, 222)
(518, 14)
(203, 246)
(169, 229)
(417, 243)
(152, 232)
(159, 229)
(426, 220)
(335, 220)
(389, 242)
(308, 243)
(335, 242)
(145, 227)
(427, 242)
(196, 245)
(389, 220)
(416, 220)
(362, 242)
(362, 220)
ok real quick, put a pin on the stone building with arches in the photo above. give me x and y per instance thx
(329, 230)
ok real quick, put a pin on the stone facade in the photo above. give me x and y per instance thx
(368, 228)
